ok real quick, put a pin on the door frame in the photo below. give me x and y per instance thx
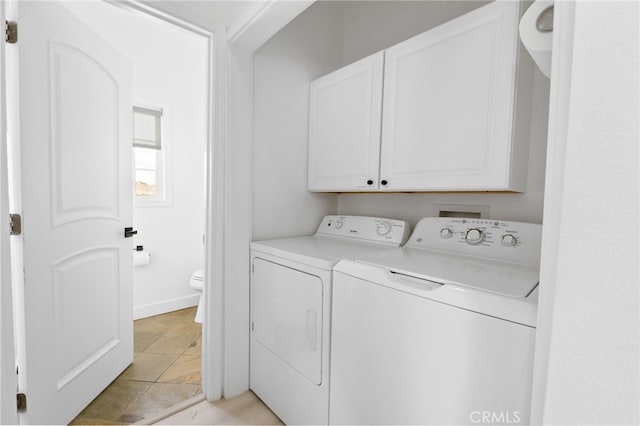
(559, 108)
(8, 376)
(215, 189)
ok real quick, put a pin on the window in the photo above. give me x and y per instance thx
(148, 155)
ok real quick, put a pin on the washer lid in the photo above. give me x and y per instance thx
(517, 310)
(503, 278)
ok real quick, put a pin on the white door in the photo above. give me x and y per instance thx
(344, 127)
(75, 141)
(448, 104)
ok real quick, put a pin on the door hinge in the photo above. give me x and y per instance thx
(21, 400)
(10, 32)
(15, 223)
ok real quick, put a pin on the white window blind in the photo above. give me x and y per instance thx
(146, 128)
(149, 155)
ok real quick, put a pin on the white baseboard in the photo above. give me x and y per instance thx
(164, 306)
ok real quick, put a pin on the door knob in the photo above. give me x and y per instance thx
(129, 232)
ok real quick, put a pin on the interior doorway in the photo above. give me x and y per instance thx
(169, 144)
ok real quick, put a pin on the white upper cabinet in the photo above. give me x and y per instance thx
(344, 127)
(448, 113)
(449, 102)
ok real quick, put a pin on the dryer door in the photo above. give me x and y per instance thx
(287, 316)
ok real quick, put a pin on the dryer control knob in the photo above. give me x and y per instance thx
(474, 236)
(339, 223)
(446, 233)
(509, 240)
(383, 228)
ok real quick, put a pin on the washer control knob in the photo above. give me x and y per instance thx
(383, 228)
(446, 233)
(339, 223)
(474, 236)
(509, 240)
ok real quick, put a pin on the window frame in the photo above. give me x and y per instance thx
(163, 197)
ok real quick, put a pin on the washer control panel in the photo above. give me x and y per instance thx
(365, 228)
(495, 239)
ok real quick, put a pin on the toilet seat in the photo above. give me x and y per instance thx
(197, 283)
(197, 280)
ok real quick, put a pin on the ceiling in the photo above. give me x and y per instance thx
(208, 14)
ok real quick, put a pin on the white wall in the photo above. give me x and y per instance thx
(170, 68)
(307, 48)
(587, 361)
(232, 319)
(372, 26)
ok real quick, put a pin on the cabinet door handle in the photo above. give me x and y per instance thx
(383, 182)
(369, 182)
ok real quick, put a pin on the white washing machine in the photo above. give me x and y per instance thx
(291, 311)
(440, 331)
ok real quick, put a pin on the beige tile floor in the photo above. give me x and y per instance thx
(165, 371)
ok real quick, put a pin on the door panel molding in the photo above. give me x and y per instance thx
(92, 147)
(101, 327)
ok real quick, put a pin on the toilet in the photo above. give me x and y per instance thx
(197, 283)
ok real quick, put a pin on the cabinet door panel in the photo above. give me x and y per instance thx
(344, 127)
(448, 104)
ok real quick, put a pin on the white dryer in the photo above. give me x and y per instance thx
(291, 311)
(440, 331)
